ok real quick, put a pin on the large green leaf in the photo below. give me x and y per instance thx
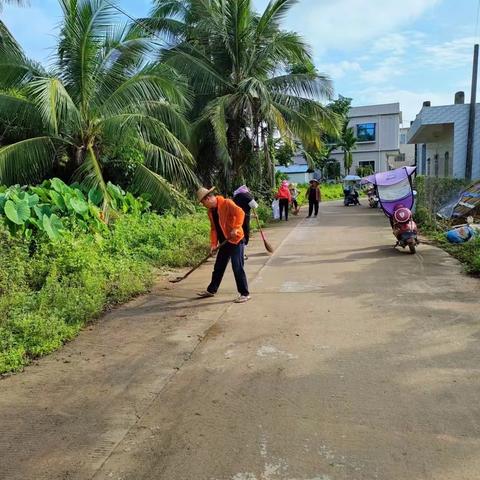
(17, 212)
(58, 185)
(95, 196)
(52, 226)
(58, 200)
(79, 206)
(32, 199)
(42, 193)
(41, 210)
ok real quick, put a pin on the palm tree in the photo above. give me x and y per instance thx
(251, 78)
(347, 143)
(101, 94)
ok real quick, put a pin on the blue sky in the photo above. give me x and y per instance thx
(375, 51)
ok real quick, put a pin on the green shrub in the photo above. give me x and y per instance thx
(331, 191)
(432, 194)
(468, 253)
(50, 289)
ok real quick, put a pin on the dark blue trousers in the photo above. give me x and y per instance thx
(235, 253)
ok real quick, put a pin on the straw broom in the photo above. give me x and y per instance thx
(268, 246)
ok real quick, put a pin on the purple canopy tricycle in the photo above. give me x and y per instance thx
(397, 199)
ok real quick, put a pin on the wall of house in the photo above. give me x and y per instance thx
(379, 157)
(387, 127)
(457, 115)
(436, 153)
(405, 148)
(300, 178)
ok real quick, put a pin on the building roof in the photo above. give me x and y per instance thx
(430, 117)
(368, 110)
(292, 169)
(299, 159)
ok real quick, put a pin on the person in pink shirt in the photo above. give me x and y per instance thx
(284, 199)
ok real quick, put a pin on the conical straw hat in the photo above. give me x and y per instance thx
(202, 192)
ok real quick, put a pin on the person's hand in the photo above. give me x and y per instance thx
(213, 250)
(233, 233)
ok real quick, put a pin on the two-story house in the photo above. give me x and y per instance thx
(377, 129)
(440, 134)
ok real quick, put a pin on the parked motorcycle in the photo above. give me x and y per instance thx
(372, 197)
(396, 198)
(350, 197)
(404, 228)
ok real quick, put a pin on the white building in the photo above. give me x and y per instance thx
(377, 128)
(406, 157)
(296, 173)
(440, 134)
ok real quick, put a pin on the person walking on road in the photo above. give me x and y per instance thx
(244, 199)
(284, 199)
(294, 193)
(314, 197)
(226, 235)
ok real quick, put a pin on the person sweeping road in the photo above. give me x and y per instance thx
(226, 235)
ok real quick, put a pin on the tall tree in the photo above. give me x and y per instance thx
(347, 143)
(251, 78)
(100, 94)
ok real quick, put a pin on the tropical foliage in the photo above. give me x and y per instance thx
(250, 79)
(347, 143)
(101, 93)
(118, 111)
(49, 292)
(54, 208)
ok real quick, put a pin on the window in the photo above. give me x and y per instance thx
(424, 159)
(367, 164)
(447, 165)
(366, 132)
(366, 168)
(403, 139)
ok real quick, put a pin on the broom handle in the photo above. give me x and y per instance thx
(258, 223)
(204, 260)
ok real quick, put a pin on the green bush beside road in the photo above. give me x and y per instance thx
(52, 285)
(432, 193)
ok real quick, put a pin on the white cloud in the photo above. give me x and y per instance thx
(339, 69)
(452, 54)
(384, 71)
(410, 101)
(344, 24)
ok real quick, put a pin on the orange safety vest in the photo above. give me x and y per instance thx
(230, 217)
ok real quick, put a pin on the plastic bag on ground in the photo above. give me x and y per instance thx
(460, 235)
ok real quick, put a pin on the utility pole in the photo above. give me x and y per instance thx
(471, 120)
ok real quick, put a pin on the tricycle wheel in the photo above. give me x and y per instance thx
(412, 248)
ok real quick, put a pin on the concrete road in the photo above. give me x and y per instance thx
(352, 361)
